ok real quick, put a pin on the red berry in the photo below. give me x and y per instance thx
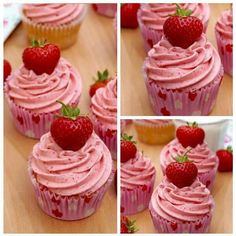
(128, 15)
(127, 226)
(182, 173)
(100, 82)
(127, 148)
(41, 58)
(190, 135)
(229, 48)
(181, 29)
(71, 131)
(6, 69)
(225, 157)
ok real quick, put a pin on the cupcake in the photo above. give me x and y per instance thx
(104, 114)
(105, 9)
(56, 23)
(151, 18)
(70, 168)
(191, 139)
(155, 131)
(224, 38)
(181, 210)
(137, 177)
(32, 93)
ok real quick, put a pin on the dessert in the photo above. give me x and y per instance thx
(225, 157)
(56, 23)
(151, 18)
(105, 9)
(154, 131)
(137, 177)
(224, 38)
(128, 15)
(70, 167)
(127, 226)
(33, 89)
(6, 69)
(104, 114)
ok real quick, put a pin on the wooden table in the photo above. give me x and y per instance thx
(94, 50)
(134, 97)
(222, 193)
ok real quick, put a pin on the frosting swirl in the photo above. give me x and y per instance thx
(182, 204)
(67, 172)
(154, 15)
(177, 68)
(39, 93)
(201, 155)
(136, 172)
(53, 14)
(224, 25)
(104, 105)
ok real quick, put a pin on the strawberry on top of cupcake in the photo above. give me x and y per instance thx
(225, 157)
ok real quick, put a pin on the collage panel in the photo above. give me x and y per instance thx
(60, 118)
(171, 65)
(176, 175)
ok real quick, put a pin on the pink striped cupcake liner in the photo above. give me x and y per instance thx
(226, 53)
(108, 10)
(136, 200)
(151, 36)
(32, 125)
(167, 102)
(68, 207)
(164, 226)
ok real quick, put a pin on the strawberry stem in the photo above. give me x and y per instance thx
(68, 111)
(183, 158)
(102, 76)
(38, 43)
(229, 149)
(182, 12)
(126, 137)
(193, 125)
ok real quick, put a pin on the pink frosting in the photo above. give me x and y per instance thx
(136, 172)
(201, 155)
(53, 14)
(154, 15)
(224, 25)
(104, 105)
(182, 204)
(187, 69)
(154, 122)
(67, 172)
(39, 93)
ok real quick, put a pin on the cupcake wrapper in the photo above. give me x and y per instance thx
(32, 125)
(167, 102)
(63, 35)
(68, 207)
(151, 36)
(136, 200)
(225, 55)
(108, 10)
(164, 226)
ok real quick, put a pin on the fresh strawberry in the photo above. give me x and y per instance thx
(190, 135)
(182, 172)
(71, 131)
(128, 15)
(127, 148)
(182, 29)
(225, 159)
(6, 69)
(127, 226)
(41, 57)
(100, 82)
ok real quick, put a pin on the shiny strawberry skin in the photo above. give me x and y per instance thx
(128, 150)
(129, 15)
(6, 69)
(96, 86)
(225, 160)
(71, 134)
(182, 31)
(41, 59)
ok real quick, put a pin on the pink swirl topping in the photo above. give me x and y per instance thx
(136, 172)
(182, 204)
(224, 25)
(154, 15)
(104, 105)
(39, 93)
(153, 122)
(177, 68)
(201, 155)
(53, 14)
(67, 172)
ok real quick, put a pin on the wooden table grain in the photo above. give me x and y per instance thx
(134, 97)
(95, 50)
(222, 193)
